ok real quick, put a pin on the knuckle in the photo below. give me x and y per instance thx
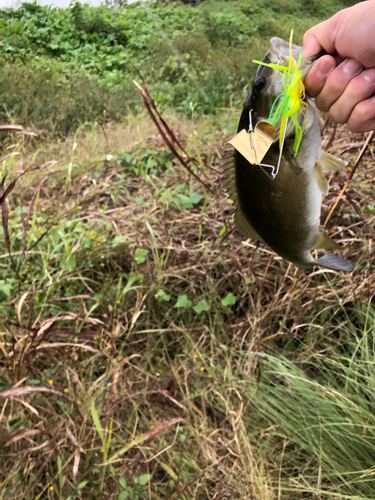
(321, 103)
(336, 116)
(363, 117)
(356, 128)
(364, 111)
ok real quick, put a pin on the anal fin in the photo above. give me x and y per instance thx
(243, 226)
(325, 242)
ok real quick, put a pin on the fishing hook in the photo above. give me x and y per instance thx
(274, 173)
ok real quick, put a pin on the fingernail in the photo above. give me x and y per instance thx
(351, 67)
(369, 76)
(324, 69)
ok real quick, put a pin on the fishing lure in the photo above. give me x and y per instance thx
(290, 102)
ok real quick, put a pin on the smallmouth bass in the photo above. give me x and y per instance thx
(284, 211)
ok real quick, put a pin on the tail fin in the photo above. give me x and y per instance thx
(335, 262)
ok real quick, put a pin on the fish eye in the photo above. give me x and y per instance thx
(259, 83)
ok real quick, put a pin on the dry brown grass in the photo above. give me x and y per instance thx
(130, 367)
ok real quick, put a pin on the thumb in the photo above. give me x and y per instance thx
(319, 37)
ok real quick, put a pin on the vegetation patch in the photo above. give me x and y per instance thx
(63, 67)
(149, 352)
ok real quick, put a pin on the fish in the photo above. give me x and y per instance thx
(284, 211)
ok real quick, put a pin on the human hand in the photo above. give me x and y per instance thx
(343, 82)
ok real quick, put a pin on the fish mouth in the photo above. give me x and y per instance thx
(279, 53)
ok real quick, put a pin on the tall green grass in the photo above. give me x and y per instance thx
(321, 407)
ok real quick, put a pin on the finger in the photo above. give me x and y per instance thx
(359, 89)
(337, 82)
(318, 74)
(362, 118)
(320, 37)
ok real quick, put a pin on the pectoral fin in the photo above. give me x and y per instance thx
(325, 242)
(330, 162)
(243, 226)
(322, 181)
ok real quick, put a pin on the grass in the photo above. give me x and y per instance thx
(149, 353)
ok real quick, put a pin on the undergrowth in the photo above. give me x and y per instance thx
(149, 352)
(63, 67)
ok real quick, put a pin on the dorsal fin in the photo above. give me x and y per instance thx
(243, 225)
(229, 174)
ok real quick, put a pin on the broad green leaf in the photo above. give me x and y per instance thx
(183, 302)
(201, 306)
(195, 197)
(139, 200)
(140, 255)
(183, 201)
(6, 288)
(123, 495)
(144, 479)
(161, 295)
(229, 300)
(151, 163)
(122, 482)
(118, 241)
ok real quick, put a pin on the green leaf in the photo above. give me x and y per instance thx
(183, 302)
(82, 485)
(229, 300)
(139, 200)
(118, 241)
(96, 419)
(123, 495)
(195, 197)
(151, 163)
(140, 255)
(122, 482)
(183, 201)
(6, 288)
(144, 479)
(34, 381)
(161, 295)
(182, 438)
(201, 306)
